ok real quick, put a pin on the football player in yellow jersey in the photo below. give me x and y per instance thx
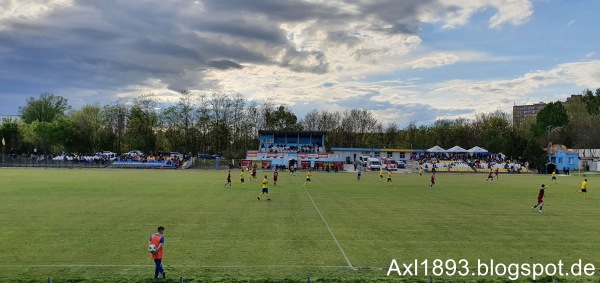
(554, 176)
(389, 176)
(381, 174)
(265, 189)
(242, 178)
(420, 171)
(583, 189)
(308, 179)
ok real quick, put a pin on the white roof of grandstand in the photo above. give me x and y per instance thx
(436, 149)
(456, 148)
(477, 149)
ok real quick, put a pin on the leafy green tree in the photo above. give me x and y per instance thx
(280, 118)
(90, 130)
(592, 102)
(114, 119)
(139, 133)
(552, 116)
(491, 130)
(515, 145)
(582, 129)
(391, 136)
(535, 154)
(54, 136)
(9, 130)
(44, 109)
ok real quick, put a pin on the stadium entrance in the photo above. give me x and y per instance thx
(302, 149)
(293, 162)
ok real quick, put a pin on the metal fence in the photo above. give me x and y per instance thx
(40, 161)
(8, 160)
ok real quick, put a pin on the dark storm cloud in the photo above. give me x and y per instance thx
(225, 64)
(163, 48)
(402, 16)
(108, 45)
(252, 29)
(93, 34)
(280, 11)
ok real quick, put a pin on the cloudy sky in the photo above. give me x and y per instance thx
(404, 60)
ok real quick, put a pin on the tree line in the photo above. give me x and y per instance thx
(228, 124)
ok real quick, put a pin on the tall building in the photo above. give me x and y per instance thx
(522, 112)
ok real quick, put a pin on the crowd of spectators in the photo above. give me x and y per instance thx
(166, 158)
(285, 148)
(16, 155)
(99, 158)
(474, 161)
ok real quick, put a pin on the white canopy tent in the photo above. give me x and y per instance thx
(477, 149)
(436, 149)
(456, 149)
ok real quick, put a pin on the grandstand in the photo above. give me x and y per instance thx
(476, 159)
(470, 166)
(305, 149)
(137, 159)
(455, 159)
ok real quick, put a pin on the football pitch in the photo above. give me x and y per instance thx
(94, 225)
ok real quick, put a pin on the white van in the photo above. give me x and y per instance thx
(373, 164)
(363, 160)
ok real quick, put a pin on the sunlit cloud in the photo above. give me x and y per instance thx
(374, 55)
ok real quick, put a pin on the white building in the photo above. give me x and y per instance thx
(589, 159)
(351, 155)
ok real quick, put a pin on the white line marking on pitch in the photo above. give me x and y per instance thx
(327, 225)
(169, 265)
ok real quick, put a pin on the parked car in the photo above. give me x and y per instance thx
(389, 164)
(206, 156)
(373, 164)
(105, 154)
(401, 164)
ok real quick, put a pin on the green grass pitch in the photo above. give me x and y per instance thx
(93, 225)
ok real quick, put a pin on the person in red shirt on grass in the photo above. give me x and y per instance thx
(228, 179)
(490, 177)
(540, 199)
(432, 181)
(158, 240)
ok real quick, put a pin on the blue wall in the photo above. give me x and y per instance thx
(563, 159)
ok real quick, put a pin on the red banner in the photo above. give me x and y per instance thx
(270, 155)
(323, 155)
(302, 155)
